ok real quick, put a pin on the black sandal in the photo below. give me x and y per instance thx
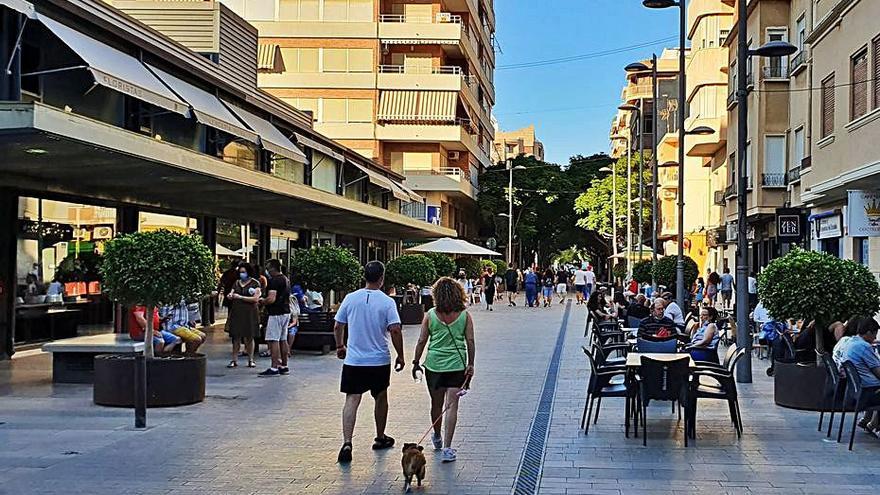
(383, 443)
(344, 456)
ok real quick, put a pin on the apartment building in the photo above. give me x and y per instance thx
(768, 127)
(511, 144)
(408, 83)
(840, 175)
(709, 24)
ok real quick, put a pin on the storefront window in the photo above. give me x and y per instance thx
(281, 246)
(58, 287)
(149, 222)
(289, 170)
(241, 153)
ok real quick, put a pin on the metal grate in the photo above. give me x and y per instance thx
(528, 476)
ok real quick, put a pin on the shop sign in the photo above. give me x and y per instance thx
(732, 232)
(829, 227)
(434, 215)
(864, 213)
(789, 225)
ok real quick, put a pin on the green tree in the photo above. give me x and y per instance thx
(796, 286)
(327, 268)
(665, 271)
(643, 271)
(489, 264)
(471, 266)
(416, 269)
(444, 265)
(596, 204)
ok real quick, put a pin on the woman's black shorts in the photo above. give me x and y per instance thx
(444, 379)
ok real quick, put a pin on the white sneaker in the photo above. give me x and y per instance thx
(437, 441)
(448, 455)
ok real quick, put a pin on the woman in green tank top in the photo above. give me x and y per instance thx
(448, 332)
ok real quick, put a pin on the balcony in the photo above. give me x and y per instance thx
(460, 135)
(444, 78)
(794, 175)
(775, 72)
(447, 179)
(709, 145)
(642, 90)
(750, 79)
(772, 181)
(704, 69)
(798, 62)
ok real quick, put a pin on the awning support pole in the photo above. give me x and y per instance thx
(52, 71)
(16, 48)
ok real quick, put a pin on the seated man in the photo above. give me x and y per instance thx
(637, 310)
(673, 311)
(163, 341)
(177, 320)
(859, 350)
(657, 324)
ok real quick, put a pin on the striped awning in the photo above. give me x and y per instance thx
(267, 56)
(419, 42)
(417, 106)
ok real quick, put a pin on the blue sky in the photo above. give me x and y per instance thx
(571, 104)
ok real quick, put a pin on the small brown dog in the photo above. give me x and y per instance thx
(413, 465)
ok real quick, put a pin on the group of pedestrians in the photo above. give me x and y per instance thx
(368, 324)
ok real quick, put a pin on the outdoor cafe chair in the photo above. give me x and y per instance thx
(601, 384)
(603, 357)
(854, 394)
(724, 365)
(720, 384)
(835, 390)
(662, 380)
(662, 345)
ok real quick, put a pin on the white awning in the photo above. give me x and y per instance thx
(399, 192)
(208, 109)
(311, 143)
(271, 138)
(380, 180)
(413, 196)
(116, 70)
(21, 6)
(267, 56)
(453, 246)
(419, 42)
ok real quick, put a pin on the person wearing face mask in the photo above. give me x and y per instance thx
(243, 323)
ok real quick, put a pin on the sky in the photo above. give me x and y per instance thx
(571, 104)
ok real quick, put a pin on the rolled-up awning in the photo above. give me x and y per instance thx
(419, 42)
(270, 137)
(399, 192)
(208, 109)
(267, 56)
(417, 106)
(376, 178)
(116, 70)
(413, 196)
(311, 143)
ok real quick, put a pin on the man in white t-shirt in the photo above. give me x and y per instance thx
(372, 322)
(672, 311)
(580, 285)
(591, 282)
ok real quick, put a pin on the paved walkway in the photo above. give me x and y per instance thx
(281, 435)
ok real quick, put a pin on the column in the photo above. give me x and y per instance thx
(8, 253)
(207, 227)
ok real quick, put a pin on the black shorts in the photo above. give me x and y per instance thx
(511, 288)
(444, 379)
(360, 379)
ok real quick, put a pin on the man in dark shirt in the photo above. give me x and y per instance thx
(562, 278)
(637, 311)
(277, 303)
(511, 281)
(657, 325)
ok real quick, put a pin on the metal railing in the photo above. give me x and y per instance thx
(404, 69)
(750, 79)
(453, 173)
(720, 198)
(775, 71)
(441, 18)
(772, 180)
(731, 99)
(793, 175)
(730, 191)
(798, 60)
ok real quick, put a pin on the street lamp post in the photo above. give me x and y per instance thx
(613, 214)
(638, 111)
(510, 168)
(770, 49)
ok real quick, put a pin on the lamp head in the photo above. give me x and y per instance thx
(660, 4)
(519, 167)
(669, 164)
(636, 67)
(775, 49)
(628, 108)
(701, 131)
(605, 170)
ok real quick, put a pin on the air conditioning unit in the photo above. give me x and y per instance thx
(444, 17)
(453, 155)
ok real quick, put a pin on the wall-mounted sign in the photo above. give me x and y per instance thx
(434, 215)
(864, 213)
(829, 227)
(789, 225)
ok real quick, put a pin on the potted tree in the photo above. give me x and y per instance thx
(414, 270)
(665, 272)
(796, 286)
(324, 269)
(643, 271)
(153, 269)
(444, 266)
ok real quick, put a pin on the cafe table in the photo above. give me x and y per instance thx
(634, 359)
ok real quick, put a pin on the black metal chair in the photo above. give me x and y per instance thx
(723, 388)
(854, 394)
(835, 389)
(602, 384)
(603, 357)
(662, 380)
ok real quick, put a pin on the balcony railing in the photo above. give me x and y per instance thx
(773, 180)
(798, 60)
(775, 72)
(807, 162)
(720, 198)
(453, 173)
(731, 99)
(793, 175)
(404, 69)
(730, 191)
(750, 79)
(441, 18)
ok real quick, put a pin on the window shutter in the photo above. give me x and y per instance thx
(860, 84)
(828, 106)
(875, 48)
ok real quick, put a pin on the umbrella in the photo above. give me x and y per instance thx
(225, 251)
(453, 246)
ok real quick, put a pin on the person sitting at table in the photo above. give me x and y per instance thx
(637, 310)
(163, 341)
(597, 305)
(673, 311)
(657, 324)
(705, 337)
(859, 350)
(56, 288)
(176, 319)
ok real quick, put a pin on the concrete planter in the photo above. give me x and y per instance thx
(171, 381)
(412, 314)
(799, 385)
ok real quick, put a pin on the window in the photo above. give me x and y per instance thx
(417, 161)
(827, 106)
(300, 60)
(801, 30)
(335, 10)
(875, 49)
(346, 60)
(360, 110)
(259, 10)
(360, 60)
(334, 60)
(774, 155)
(360, 10)
(777, 66)
(339, 110)
(749, 162)
(333, 110)
(798, 145)
(859, 87)
(299, 10)
(722, 36)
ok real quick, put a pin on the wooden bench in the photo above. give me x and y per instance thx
(316, 332)
(73, 360)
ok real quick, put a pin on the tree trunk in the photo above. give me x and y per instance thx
(140, 372)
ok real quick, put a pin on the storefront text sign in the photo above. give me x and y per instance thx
(829, 227)
(864, 213)
(789, 225)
